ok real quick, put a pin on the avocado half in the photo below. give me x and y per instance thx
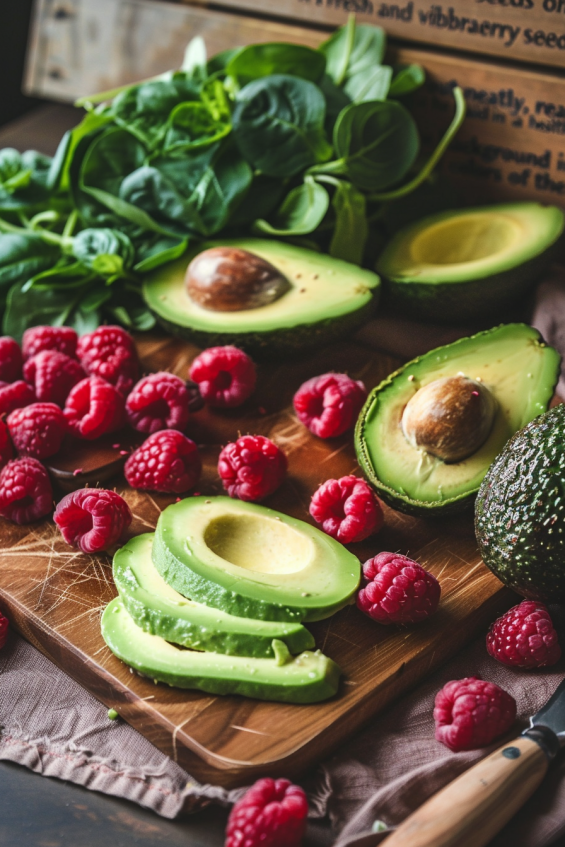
(469, 263)
(326, 299)
(252, 562)
(520, 510)
(160, 610)
(517, 367)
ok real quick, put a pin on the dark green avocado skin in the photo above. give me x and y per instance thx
(520, 510)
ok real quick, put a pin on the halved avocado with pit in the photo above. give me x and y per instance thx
(160, 610)
(251, 561)
(512, 363)
(468, 263)
(307, 678)
(325, 299)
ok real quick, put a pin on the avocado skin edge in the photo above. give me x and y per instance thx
(457, 302)
(398, 501)
(273, 343)
(520, 510)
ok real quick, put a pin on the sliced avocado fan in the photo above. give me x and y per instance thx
(160, 610)
(251, 561)
(510, 365)
(325, 298)
(469, 263)
(306, 678)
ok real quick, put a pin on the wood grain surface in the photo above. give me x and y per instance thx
(55, 595)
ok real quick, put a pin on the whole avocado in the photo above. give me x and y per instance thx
(520, 510)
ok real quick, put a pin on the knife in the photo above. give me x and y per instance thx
(474, 807)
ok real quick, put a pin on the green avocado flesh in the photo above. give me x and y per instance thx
(517, 367)
(462, 264)
(253, 562)
(160, 610)
(306, 678)
(520, 510)
(326, 298)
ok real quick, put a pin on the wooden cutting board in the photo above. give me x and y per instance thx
(54, 595)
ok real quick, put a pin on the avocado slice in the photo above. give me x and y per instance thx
(515, 366)
(251, 561)
(326, 298)
(467, 263)
(159, 609)
(520, 510)
(307, 678)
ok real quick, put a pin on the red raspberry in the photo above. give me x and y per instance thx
(93, 408)
(92, 519)
(38, 338)
(347, 509)
(110, 352)
(398, 590)
(25, 491)
(158, 401)
(225, 375)
(271, 814)
(10, 359)
(470, 713)
(6, 449)
(251, 467)
(15, 396)
(166, 461)
(37, 430)
(4, 627)
(52, 374)
(524, 637)
(329, 404)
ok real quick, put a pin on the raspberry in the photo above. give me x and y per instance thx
(38, 338)
(524, 637)
(52, 374)
(6, 449)
(15, 396)
(92, 519)
(25, 491)
(347, 509)
(158, 401)
(4, 627)
(37, 430)
(251, 467)
(110, 352)
(398, 590)
(271, 814)
(329, 404)
(93, 408)
(225, 375)
(10, 359)
(166, 461)
(470, 713)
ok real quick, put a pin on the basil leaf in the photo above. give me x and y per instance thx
(372, 84)
(351, 229)
(407, 78)
(377, 143)
(278, 124)
(260, 60)
(302, 210)
(353, 50)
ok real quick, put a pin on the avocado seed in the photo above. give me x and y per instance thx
(449, 418)
(228, 279)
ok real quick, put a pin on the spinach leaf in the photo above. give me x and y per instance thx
(302, 210)
(218, 63)
(260, 60)
(353, 50)
(336, 100)
(377, 144)
(278, 124)
(407, 78)
(373, 84)
(192, 126)
(23, 256)
(194, 62)
(39, 306)
(351, 228)
(155, 250)
(13, 173)
(91, 124)
(105, 251)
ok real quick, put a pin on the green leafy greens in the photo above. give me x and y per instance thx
(277, 139)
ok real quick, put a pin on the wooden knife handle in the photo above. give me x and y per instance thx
(474, 807)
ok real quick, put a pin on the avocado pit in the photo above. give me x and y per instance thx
(230, 279)
(450, 418)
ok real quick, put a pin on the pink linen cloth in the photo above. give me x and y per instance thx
(52, 726)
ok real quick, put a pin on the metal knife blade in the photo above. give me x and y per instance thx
(552, 715)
